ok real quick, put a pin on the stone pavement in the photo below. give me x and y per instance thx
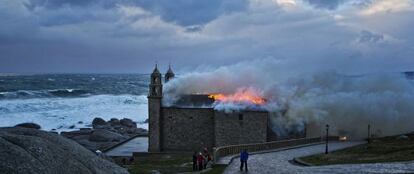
(138, 144)
(278, 162)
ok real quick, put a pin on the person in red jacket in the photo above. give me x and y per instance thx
(200, 160)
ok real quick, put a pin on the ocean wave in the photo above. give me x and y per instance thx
(68, 92)
(26, 94)
(67, 113)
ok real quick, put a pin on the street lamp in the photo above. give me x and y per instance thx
(327, 135)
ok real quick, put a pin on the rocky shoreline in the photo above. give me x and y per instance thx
(105, 134)
(26, 149)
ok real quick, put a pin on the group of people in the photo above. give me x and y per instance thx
(201, 160)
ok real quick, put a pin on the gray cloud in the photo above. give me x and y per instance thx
(192, 12)
(367, 36)
(129, 36)
(183, 12)
(328, 4)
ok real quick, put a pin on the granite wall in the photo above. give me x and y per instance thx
(187, 129)
(240, 127)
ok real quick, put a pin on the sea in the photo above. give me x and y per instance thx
(64, 102)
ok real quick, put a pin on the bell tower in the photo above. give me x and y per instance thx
(154, 111)
(169, 75)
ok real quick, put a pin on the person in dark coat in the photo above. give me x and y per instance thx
(195, 161)
(244, 156)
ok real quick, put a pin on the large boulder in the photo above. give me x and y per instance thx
(114, 122)
(29, 125)
(30, 151)
(128, 123)
(103, 135)
(99, 123)
(81, 132)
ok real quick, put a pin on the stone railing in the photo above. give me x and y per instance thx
(236, 149)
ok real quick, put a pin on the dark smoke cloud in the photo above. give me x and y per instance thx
(298, 94)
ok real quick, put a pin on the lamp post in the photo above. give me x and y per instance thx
(327, 135)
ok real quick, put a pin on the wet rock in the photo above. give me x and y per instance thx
(80, 122)
(29, 125)
(102, 135)
(128, 122)
(105, 134)
(98, 122)
(106, 126)
(114, 122)
(26, 150)
(72, 127)
(76, 133)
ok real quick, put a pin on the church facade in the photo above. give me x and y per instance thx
(190, 128)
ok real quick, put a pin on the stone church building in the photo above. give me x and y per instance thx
(188, 128)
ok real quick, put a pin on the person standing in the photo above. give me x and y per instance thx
(195, 161)
(206, 157)
(244, 156)
(200, 160)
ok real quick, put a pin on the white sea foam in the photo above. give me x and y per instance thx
(62, 113)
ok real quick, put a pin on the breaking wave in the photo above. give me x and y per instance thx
(25, 94)
(72, 113)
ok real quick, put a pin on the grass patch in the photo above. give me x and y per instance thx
(168, 165)
(217, 169)
(387, 149)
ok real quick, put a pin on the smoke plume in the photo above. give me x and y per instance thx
(297, 94)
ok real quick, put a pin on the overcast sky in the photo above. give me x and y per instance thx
(129, 36)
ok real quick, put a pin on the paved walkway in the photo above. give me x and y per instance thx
(138, 144)
(278, 162)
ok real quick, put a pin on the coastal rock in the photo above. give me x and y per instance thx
(105, 134)
(128, 123)
(98, 122)
(114, 122)
(25, 150)
(29, 125)
(102, 135)
(76, 133)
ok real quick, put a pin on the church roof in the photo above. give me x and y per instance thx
(194, 100)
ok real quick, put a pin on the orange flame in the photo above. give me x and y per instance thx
(241, 96)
